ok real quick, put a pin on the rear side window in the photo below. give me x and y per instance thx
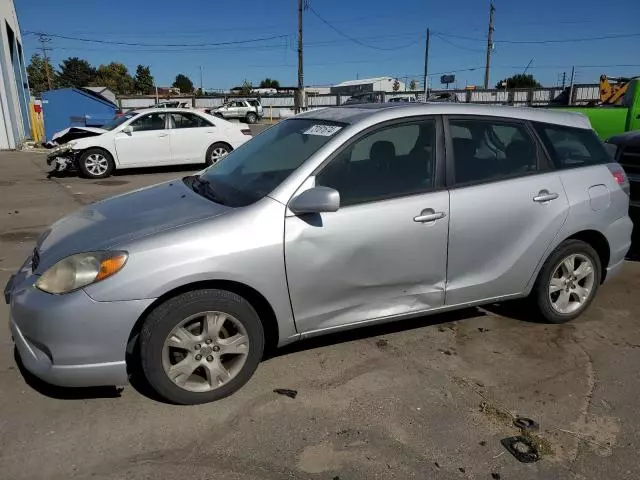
(487, 150)
(572, 147)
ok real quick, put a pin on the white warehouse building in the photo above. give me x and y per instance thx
(14, 88)
(377, 84)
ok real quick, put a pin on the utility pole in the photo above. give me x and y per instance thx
(299, 95)
(44, 40)
(573, 72)
(489, 46)
(564, 79)
(426, 64)
(201, 89)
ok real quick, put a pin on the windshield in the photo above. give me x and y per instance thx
(254, 170)
(116, 122)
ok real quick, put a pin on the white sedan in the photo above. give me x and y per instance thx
(149, 138)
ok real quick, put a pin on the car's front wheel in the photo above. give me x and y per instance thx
(201, 346)
(96, 163)
(568, 281)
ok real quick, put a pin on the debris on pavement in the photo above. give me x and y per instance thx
(495, 476)
(526, 424)
(382, 344)
(522, 448)
(286, 392)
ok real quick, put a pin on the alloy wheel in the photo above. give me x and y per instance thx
(571, 285)
(96, 164)
(218, 154)
(205, 351)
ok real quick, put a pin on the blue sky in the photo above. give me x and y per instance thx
(389, 40)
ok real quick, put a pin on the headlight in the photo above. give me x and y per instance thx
(80, 270)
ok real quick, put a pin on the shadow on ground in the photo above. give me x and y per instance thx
(132, 171)
(63, 393)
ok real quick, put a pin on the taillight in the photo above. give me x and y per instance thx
(246, 131)
(620, 176)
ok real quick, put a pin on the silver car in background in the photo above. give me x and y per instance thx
(334, 219)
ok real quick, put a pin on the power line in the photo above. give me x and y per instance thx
(456, 45)
(538, 42)
(135, 44)
(355, 40)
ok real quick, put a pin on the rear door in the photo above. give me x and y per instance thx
(147, 145)
(507, 206)
(189, 135)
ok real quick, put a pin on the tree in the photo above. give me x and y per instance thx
(37, 74)
(396, 85)
(183, 83)
(143, 81)
(75, 72)
(269, 83)
(413, 85)
(519, 80)
(246, 88)
(115, 77)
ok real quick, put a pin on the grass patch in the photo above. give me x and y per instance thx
(543, 445)
(496, 413)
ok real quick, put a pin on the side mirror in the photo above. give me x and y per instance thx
(128, 129)
(316, 200)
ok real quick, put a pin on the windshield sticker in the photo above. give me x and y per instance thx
(322, 130)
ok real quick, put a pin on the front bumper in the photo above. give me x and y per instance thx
(63, 160)
(71, 340)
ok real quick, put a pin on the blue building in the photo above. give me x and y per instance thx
(14, 88)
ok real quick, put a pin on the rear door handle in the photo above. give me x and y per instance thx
(544, 196)
(429, 215)
(163, 134)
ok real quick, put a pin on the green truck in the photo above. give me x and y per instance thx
(610, 120)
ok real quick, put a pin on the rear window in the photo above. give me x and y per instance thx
(572, 147)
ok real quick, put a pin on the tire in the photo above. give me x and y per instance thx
(215, 152)
(170, 336)
(547, 296)
(96, 163)
(251, 118)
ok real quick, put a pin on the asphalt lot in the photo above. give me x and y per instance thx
(424, 398)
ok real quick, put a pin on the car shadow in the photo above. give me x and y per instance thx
(514, 310)
(362, 333)
(133, 171)
(64, 393)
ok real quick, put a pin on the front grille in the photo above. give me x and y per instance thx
(35, 259)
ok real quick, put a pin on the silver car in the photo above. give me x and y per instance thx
(248, 110)
(333, 219)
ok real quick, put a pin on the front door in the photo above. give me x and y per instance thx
(190, 136)
(384, 252)
(506, 208)
(148, 144)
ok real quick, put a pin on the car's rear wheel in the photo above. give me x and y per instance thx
(217, 152)
(201, 346)
(251, 118)
(96, 163)
(568, 281)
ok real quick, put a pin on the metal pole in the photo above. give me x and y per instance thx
(426, 64)
(487, 67)
(564, 79)
(300, 61)
(201, 89)
(43, 41)
(573, 72)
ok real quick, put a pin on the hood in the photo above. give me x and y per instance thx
(73, 133)
(628, 139)
(118, 220)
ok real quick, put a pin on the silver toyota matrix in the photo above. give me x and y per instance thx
(333, 219)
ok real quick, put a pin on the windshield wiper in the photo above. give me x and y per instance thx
(204, 188)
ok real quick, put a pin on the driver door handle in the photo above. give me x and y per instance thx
(544, 196)
(429, 215)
